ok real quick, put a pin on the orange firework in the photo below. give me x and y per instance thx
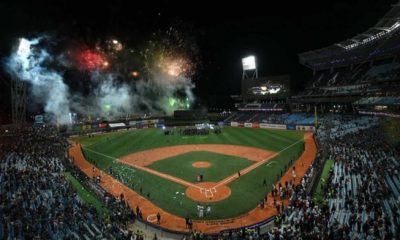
(176, 66)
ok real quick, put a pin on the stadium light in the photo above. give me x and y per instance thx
(249, 63)
(24, 47)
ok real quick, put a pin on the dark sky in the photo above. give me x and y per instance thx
(274, 31)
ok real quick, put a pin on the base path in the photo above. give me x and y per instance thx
(147, 157)
(141, 159)
(173, 222)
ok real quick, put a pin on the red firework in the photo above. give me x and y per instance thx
(92, 60)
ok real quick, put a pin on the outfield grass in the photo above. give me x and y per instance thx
(246, 192)
(318, 194)
(221, 167)
(87, 196)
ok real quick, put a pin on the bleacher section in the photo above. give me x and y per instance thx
(339, 126)
(359, 79)
(275, 118)
(371, 179)
(364, 64)
(378, 101)
(361, 194)
(299, 118)
(267, 107)
(37, 201)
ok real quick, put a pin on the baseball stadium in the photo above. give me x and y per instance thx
(160, 172)
(115, 126)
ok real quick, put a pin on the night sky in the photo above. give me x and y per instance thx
(274, 31)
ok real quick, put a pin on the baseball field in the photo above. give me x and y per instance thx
(165, 169)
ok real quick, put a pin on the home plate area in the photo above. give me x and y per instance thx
(208, 192)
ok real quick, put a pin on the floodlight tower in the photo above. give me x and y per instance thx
(18, 101)
(18, 88)
(249, 68)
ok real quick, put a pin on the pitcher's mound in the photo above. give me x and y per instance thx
(201, 164)
(207, 192)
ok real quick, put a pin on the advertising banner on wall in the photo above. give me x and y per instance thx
(305, 128)
(272, 126)
(256, 125)
(114, 125)
(248, 125)
(234, 124)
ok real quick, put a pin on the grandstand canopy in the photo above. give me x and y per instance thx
(379, 41)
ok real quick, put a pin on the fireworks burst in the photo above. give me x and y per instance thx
(135, 74)
(92, 60)
(161, 69)
(113, 46)
(176, 67)
(170, 54)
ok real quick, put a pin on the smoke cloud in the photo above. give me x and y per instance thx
(27, 63)
(163, 86)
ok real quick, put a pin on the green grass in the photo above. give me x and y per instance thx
(318, 194)
(87, 196)
(100, 138)
(122, 143)
(221, 167)
(247, 191)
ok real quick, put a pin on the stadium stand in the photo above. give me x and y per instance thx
(378, 101)
(37, 202)
(268, 117)
(361, 198)
(362, 193)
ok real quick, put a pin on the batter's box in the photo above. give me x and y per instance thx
(209, 192)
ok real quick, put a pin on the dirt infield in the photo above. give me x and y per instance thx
(201, 164)
(176, 223)
(141, 159)
(208, 192)
(144, 158)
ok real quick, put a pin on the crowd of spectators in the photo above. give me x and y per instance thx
(361, 195)
(36, 199)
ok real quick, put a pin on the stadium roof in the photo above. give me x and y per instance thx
(379, 41)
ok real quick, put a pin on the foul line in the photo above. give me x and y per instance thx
(163, 175)
(254, 166)
(270, 163)
(154, 172)
(107, 156)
